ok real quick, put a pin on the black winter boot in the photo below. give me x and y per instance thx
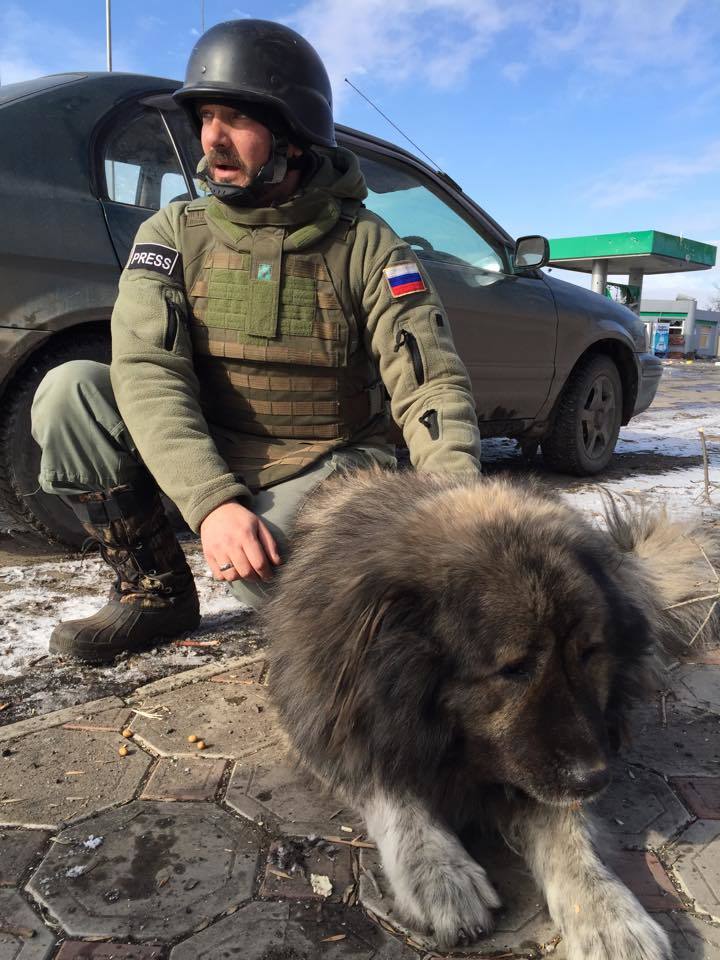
(154, 595)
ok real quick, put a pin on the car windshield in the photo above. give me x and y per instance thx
(434, 229)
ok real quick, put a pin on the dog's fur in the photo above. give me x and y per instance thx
(449, 651)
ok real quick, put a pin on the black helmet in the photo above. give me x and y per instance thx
(263, 63)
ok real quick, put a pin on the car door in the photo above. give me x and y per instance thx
(140, 171)
(504, 324)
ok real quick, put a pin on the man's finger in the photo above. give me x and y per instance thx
(242, 567)
(255, 553)
(268, 542)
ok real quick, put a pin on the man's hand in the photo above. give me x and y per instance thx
(234, 535)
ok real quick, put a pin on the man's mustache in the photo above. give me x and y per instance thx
(227, 158)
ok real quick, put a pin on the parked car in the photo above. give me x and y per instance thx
(87, 157)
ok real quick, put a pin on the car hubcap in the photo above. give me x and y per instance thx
(598, 417)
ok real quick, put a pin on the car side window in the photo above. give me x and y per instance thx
(140, 164)
(435, 231)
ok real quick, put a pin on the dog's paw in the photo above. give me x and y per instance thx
(453, 903)
(613, 936)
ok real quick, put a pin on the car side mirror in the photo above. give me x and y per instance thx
(531, 253)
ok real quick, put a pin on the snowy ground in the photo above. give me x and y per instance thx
(659, 459)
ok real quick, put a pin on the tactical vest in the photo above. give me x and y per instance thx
(277, 346)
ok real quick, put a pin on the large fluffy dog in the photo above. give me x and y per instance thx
(447, 652)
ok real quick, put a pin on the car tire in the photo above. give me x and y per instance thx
(30, 510)
(587, 420)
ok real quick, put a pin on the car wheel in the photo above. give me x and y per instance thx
(30, 509)
(587, 421)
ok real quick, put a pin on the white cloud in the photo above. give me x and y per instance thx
(25, 52)
(514, 72)
(619, 36)
(437, 42)
(431, 42)
(649, 177)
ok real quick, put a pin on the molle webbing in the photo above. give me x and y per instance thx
(275, 344)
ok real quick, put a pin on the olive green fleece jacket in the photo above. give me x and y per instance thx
(408, 336)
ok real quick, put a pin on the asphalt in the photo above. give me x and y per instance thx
(121, 839)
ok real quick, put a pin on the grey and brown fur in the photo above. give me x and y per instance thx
(450, 652)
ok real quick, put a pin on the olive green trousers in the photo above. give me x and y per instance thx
(86, 447)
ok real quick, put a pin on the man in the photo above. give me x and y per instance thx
(257, 335)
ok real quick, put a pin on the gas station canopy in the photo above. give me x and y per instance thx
(649, 250)
(636, 253)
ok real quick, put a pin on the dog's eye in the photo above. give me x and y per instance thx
(589, 652)
(520, 670)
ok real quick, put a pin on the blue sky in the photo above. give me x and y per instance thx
(564, 117)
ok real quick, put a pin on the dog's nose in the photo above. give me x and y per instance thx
(586, 780)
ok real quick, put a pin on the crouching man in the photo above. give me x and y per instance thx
(257, 336)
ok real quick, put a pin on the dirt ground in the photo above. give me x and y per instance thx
(659, 460)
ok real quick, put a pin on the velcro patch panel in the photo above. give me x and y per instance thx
(156, 257)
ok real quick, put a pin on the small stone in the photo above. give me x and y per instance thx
(127, 733)
(123, 751)
(193, 738)
(201, 744)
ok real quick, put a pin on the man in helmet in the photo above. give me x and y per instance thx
(257, 336)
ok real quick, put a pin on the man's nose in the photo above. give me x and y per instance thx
(216, 132)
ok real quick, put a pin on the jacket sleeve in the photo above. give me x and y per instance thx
(409, 336)
(154, 381)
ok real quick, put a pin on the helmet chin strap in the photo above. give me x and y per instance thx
(272, 171)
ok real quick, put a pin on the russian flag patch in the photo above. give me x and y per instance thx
(404, 278)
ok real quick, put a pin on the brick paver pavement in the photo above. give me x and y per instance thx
(173, 853)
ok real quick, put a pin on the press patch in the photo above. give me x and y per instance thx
(404, 278)
(155, 257)
(264, 271)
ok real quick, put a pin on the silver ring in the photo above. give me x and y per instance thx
(226, 566)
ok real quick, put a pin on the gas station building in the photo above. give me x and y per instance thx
(677, 327)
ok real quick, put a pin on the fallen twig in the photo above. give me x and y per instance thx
(24, 932)
(198, 643)
(703, 624)
(683, 603)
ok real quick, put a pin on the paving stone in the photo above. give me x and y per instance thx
(689, 746)
(698, 685)
(161, 871)
(23, 936)
(640, 810)
(57, 776)
(247, 674)
(268, 789)
(695, 861)
(115, 719)
(186, 779)
(702, 796)
(187, 677)
(234, 721)
(296, 884)
(18, 849)
(522, 924)
(67, 715)
(691, 939)
(709, 656)
(287, 931)
(643, 873)
(77, 950)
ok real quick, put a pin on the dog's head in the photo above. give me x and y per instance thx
(527, 647)
(473, 634)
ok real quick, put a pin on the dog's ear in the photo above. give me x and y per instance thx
(388, 697)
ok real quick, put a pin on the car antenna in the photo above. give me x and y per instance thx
(392, 124)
